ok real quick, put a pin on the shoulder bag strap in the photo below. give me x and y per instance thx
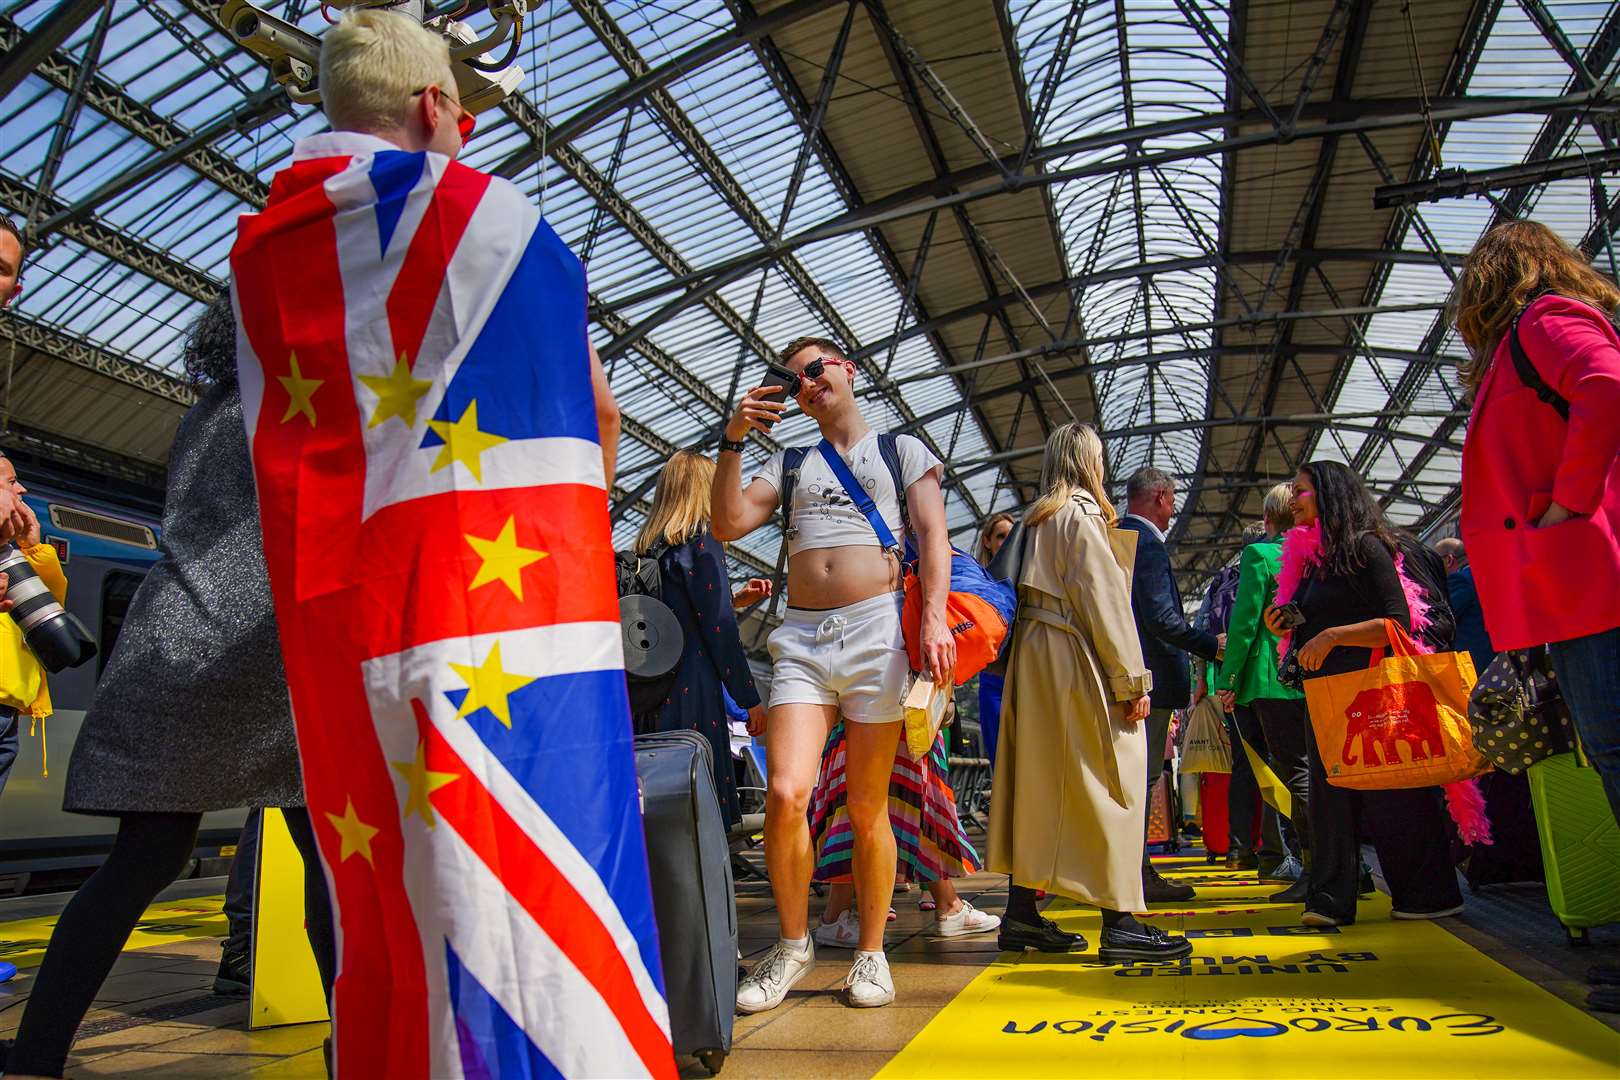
(857, 494)
(889, 449)
(792, 462)
(1527, 371)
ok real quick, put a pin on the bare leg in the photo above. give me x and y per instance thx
(794, 737)
(839, 897)
(944, 894)
(869, 763)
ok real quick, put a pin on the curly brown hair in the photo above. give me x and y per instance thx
(1509, 266)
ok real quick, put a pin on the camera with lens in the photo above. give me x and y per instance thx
(55, 636)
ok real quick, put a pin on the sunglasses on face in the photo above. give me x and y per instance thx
(816, 368)
(466, 122)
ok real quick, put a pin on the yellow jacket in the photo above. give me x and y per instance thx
(22, 680)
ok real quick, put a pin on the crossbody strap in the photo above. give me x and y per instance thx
(1527, 372)
(857, 494)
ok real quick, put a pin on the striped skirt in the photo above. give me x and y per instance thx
(928, 834)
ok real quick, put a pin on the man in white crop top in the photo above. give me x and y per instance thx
(838, 651)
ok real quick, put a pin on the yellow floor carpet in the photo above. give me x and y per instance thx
(1260, 997)
(23, 941)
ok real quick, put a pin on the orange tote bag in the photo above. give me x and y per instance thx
(1401, 723)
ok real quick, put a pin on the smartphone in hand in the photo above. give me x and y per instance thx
(1289, 616)
(789, 381)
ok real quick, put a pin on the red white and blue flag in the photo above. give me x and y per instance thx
(418, 398)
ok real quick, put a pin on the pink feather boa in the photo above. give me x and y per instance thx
(1302, 549)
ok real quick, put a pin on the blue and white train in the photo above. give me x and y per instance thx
(106, 545)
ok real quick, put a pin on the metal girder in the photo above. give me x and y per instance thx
(1548, 25)
(112, 101)
(1458, 183)
(1311, 421)
(963, 187)
(69, 117)
(714, 169)
(57, 451)
(40, 337)
(118, 245)
(265, 104)
(25, 52)
(1601, 53)
(746, 32)
(1229, 61)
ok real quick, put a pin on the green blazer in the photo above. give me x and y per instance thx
(1250, 667)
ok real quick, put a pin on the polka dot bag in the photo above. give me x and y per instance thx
(1518, 714)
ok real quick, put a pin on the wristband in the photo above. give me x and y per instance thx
(731, 444)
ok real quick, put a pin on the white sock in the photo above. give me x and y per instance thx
(798, 945)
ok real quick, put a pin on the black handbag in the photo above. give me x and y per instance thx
(1517, 713)
(1289, 673)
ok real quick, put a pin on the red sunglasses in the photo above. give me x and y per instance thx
(466, 122)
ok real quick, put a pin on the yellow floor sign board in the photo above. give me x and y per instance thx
(1261, 996)
(286, 982)
(23, 941)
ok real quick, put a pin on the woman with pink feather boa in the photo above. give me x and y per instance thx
(1341, 569)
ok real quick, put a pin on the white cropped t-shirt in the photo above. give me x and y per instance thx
(823, 516)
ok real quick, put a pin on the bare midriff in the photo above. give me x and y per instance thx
(838, 576)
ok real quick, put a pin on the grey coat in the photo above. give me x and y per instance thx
(192, 712)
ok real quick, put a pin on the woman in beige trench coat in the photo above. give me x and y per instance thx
(1070, 781)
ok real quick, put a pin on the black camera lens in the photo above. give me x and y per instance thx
(56, 637)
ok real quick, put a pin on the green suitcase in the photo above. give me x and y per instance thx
(1580, 844)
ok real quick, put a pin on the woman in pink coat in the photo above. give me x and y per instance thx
(1541, 467)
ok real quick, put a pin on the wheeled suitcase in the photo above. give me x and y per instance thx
(690, 864)
(1580, 844)
(1214, 812)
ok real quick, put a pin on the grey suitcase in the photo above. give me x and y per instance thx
(690, 863)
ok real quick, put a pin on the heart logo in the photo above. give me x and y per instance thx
(1234, 1027)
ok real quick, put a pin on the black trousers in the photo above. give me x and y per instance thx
(1243, 796)
(149, 853)
(1407, 828)
(1287, 729)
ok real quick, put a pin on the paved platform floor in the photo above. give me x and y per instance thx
(157, 1016)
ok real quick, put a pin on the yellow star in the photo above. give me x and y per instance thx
(420, 782)
(488, 686)
(503, 559)
(356, 834)
(299, 391)
(397, 394)
(463, 441)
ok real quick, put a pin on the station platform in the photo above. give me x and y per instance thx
(1494, 993)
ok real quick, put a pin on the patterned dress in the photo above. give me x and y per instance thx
(928, 835)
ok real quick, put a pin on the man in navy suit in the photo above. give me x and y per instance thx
(1167, 637)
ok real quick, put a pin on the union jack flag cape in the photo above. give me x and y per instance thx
(412, 352)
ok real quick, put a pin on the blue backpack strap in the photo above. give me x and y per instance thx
(889, 448)
(857, 494)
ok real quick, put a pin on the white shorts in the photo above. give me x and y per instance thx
(853, 657)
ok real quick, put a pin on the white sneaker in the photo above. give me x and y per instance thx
(845, 933)
(869, 983)
(967, 920)
(777, 972)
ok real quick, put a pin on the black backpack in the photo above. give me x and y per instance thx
(653, 639)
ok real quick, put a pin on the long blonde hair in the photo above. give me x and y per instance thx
(1074, 462)
(981, 550)
(1507, 268)
(681, 504)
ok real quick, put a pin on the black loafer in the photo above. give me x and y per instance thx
(1043, 937)
(1604, 999)
(1147, 943)
(1242, 860)
(1603, 974)
(1297, 893)
(1159, 891)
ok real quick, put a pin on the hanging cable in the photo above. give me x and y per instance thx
(1426, 107)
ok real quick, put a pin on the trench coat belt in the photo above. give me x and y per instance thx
(1031, 612)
